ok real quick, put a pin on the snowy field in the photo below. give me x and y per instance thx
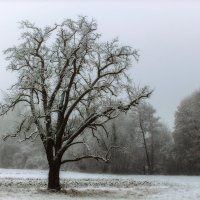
(31, 185)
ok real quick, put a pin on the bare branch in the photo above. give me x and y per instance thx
(71, 84)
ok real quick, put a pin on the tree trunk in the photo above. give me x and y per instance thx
(149, 171)
(54, 176)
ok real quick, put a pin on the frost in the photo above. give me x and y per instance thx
(31, 184)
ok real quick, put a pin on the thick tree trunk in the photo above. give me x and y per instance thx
(54, 176)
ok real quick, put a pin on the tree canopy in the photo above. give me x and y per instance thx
(186, 134)
(71, 83)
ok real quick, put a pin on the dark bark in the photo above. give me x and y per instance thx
(152, 153)
(54, 176)
(146, 150)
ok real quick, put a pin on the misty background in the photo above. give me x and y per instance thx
(167, 34)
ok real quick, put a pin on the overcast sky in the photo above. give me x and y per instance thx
(167, 34)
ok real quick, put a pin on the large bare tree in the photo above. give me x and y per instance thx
(71, 84)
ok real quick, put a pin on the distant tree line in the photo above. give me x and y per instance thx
(146, 145)
(141, 144)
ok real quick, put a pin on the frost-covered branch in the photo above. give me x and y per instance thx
(71, 83)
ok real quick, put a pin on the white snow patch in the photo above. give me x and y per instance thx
(31, 184)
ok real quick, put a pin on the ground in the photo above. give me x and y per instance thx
(31, 185)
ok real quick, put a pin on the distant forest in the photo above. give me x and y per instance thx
(141, 143)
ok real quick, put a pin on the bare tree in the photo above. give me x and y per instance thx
(149, 129)
(149, 165)
(71, 83)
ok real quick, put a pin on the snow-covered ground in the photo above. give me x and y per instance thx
(31, 185)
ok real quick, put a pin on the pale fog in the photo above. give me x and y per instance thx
(166, 33)
(144, 157)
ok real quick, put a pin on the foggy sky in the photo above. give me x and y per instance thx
(167, 34)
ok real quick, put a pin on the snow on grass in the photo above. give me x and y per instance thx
(31, 185)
